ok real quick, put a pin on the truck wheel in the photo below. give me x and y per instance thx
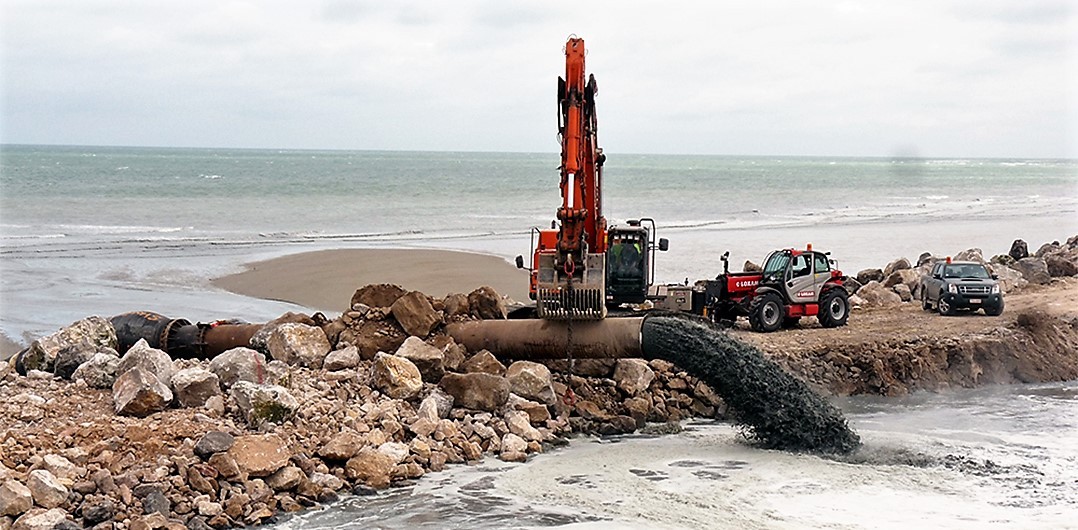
(834, 308)
(996, 311)
(925, 304)
(943, 307)
(766, 312)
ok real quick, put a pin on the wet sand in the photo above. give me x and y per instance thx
(8, 347)
(325, 280)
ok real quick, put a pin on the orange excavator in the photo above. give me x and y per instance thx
(580, 266)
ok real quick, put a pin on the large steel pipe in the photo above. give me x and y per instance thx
(611, 338)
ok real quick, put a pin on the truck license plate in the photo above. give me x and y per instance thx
(975, 300)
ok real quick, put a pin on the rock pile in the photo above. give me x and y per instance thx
(378, 397)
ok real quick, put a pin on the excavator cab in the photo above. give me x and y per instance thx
(630, 261)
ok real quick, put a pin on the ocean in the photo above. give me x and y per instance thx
(105, 230)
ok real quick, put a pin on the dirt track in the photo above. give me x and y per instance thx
(895, 350)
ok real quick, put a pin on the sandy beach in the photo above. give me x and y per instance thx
(325, 280)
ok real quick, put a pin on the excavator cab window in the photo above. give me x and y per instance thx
(626, 257)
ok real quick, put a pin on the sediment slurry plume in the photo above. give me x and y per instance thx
(778, 410)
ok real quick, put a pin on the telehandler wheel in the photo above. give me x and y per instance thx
(766, 312)
(834, 308)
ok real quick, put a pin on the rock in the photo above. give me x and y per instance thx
(908, 277)
(903, 292)
(398, 451)
(870, 275)
(455, 305)
(95, 331)
(429, 360)
(213, 442)
(97, 510)
(70, 358)
(193, 386)
(150, 359)
(371, 337)
(342, 446)
(1034, 270)
(633, 376)
(1046, 249)
(851, 284)
(298, 344)
(537, 412)
(1019, 250)
(239, 364)
(225, 465)
(261, 337)
(62, 468)
(970, 254)
(377, 295)
(156, 502)
(925, 258)
(531, 381)
(896, 265)
(1009, 279)
(512, 443)
(415, 314)
(260, 404)
(520, 424)
(15, 498)
(874, 293)
(436, 405)
(343, 359)
(1059, 266)
(396, 377)
(259, 455)
(590, 411)
(483, 362)
(751, 267)
(43, 520)
(485, 303)
(286, 478)
(99, 371)
(479, 391)
(46, 490)
(372, 467)
(139, 393)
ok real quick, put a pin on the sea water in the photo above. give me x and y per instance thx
(104, 230)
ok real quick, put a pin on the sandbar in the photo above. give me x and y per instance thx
(325, 280)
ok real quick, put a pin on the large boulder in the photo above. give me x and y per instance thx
(377, 295)
(1047, 248)
(139, 393)
(46, 489)
(483, 362)
(371, 337)
(213, 442)
(429, 360)
(970, 254)
(851, 284)
(749, 266)
(261, 404)
(531, 381)
(71, 357)
(633, 376)
(259, 455)
(193, 386)
(1019, 250)
(396, 377)
(93, 332)
(150, 359)
(342, 446)
(485, 303)
(519, 423)
(1034, 270)
(239, 364)
(15, 498)
(896, 265)
(372, 467)
(479, 391)
(870, 275)
(903, 292)
(1059, 266)
(299, 344)
(39, 519)
(435, 406)
(455, 305)
(99, 371)
(343, 359)
(875, 294)
(415, 314)
(261, 337)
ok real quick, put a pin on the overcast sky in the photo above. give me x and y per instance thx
(962, 78)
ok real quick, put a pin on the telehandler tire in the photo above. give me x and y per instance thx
(834, 308)
(766, 312)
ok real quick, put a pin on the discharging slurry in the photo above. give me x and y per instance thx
(777, 410)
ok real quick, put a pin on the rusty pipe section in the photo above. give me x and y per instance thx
(611, 338)
(179, 338)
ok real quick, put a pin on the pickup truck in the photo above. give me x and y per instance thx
(955, 285)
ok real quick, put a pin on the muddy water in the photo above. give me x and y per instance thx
(777, 410)
(999, 457)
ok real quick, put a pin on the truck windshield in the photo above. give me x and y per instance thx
(966, 271)
(777, 264)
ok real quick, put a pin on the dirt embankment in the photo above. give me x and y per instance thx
(896, 350)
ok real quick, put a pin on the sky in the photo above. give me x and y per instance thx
(933, 78)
